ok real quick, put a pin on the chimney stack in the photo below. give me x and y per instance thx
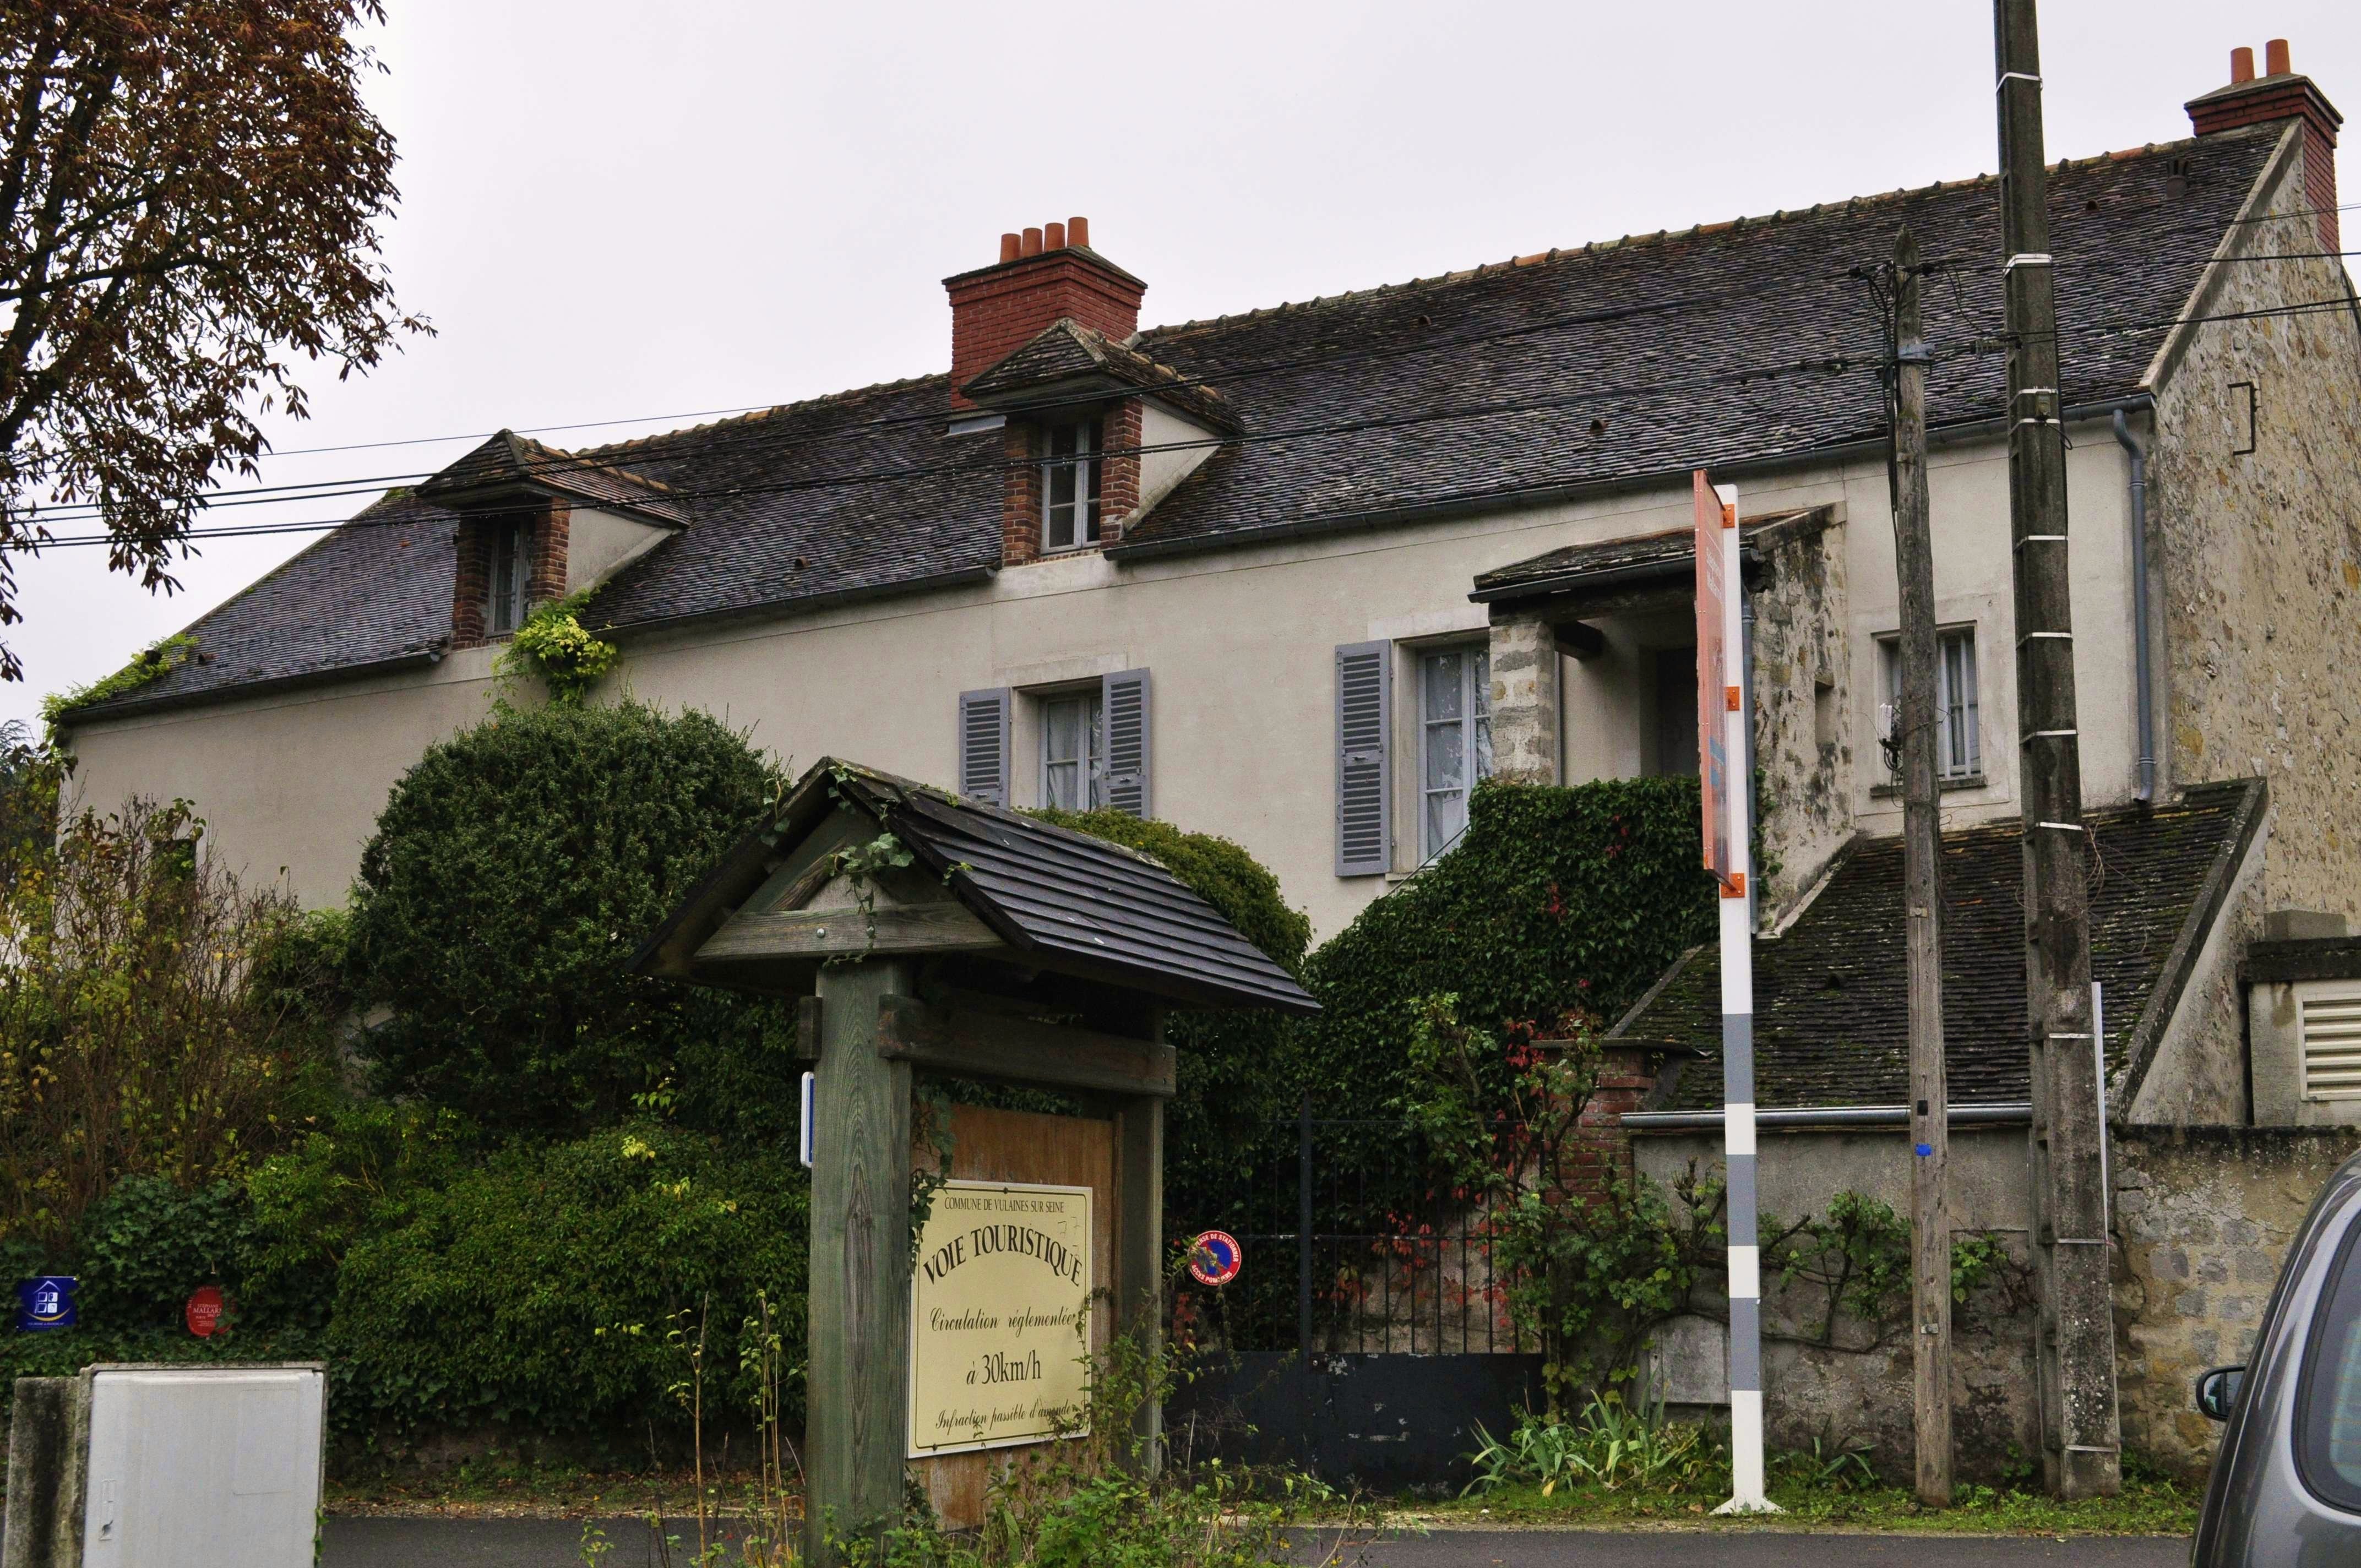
(1042, 275)
(2279, 94)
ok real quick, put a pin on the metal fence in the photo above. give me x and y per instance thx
(1363, 1247)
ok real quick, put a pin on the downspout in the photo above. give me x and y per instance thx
(2147, 704)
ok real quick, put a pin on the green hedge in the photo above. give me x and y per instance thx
(513, 871)
(1556, 899)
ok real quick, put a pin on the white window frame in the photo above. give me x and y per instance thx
(1475, 724)
(1081, 463)
(1091, 766)
(508, 552)
(1959, 738)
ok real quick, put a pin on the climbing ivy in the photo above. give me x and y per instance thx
(152, 663)
(553, 644)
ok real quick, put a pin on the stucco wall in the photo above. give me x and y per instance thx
(2259, 554)
(2202, 1221)
(1240, 644)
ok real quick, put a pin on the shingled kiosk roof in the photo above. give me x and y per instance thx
(1061, 901)
(1548, 375)
(1830, 995)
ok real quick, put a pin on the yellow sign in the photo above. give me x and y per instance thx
(997, 1310)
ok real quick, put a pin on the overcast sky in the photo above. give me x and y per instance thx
(614, 211)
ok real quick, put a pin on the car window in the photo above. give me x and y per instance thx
(2328, 1407)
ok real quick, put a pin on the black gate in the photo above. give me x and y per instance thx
(1366, 1332)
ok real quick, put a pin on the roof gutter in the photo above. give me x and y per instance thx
(2004, 1113)
(1591, 489)
(132, 707)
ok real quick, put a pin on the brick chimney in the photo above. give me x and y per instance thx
(1042, 274)
(2279, 94)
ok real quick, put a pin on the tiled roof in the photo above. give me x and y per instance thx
(1064, 901)
(1830, 997)
(508, 461)
(1066, 352)
(1571, 567)
(1603, 364)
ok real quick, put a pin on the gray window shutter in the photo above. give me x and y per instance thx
(983, 745)
(1123, 699)
(1365, 682)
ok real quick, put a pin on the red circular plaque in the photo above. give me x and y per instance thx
(1215, 1257)
(206, 1306)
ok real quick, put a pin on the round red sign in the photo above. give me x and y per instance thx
(206, 1306)
(1215, 1259)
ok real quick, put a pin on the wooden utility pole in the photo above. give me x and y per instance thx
(1922, 892)
(2075, 1343)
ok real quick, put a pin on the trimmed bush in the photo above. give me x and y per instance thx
(513, 871)
(563, 1286)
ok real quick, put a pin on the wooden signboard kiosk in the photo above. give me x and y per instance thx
(926, 931)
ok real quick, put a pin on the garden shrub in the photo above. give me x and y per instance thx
(1556, 900)
(156, 1019)
(513, 871)
(563, 1285)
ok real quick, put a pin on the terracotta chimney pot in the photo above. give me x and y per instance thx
(1010, 247)
(1053, 236)
(2241, 65)
(2275, 58)
(1077, 232)
(1032, 242)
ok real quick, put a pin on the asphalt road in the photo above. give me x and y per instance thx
(556, 1543)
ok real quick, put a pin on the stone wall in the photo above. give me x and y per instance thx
(1803, 699)
(2257, 555)
(2201, 1221)
(1526, 705)
(2203, 1218)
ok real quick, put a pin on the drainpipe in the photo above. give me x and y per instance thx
(2139, 609)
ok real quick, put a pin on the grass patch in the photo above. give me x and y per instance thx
(2145, 1506)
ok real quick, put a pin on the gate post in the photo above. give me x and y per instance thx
(859, 1381)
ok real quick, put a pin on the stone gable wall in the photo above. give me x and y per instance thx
(2258, 555)
(1803, 705)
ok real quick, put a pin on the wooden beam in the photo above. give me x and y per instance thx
(891, 929)
(808, 1027)
(1020, 1050)
(1578, 640)
(858, 1385)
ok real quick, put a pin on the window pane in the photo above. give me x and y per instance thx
(1972, 751)
(1441, 672)
(1447, 813)
(1445, 756)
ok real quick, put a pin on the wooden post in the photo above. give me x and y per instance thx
(1139, 1249)
(1930, 1119)
(2074, 1344)
(859, 1383)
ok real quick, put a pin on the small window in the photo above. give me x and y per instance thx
(1454, 739)
(504, 608)
(1070, 487)
(1072, 775)
(1959, 747)
(2328, 1401)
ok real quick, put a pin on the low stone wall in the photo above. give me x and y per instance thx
(2203, 1218)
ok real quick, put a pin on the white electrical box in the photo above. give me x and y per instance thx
(203, 1467)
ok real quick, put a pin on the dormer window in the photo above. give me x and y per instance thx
(1069, 486)
(504, 604)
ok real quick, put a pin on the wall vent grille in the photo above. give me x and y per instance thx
(2331, 1028)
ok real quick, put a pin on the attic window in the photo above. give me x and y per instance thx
(1069, 486)
(504, 597)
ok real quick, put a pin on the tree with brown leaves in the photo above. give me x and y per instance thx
(189, 193)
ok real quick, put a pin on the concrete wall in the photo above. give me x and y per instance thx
(2202, 1221)
(2258, 555)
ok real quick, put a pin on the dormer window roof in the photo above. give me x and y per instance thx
(1067, 363)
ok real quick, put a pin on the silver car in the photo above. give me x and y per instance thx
(2286, 1491)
